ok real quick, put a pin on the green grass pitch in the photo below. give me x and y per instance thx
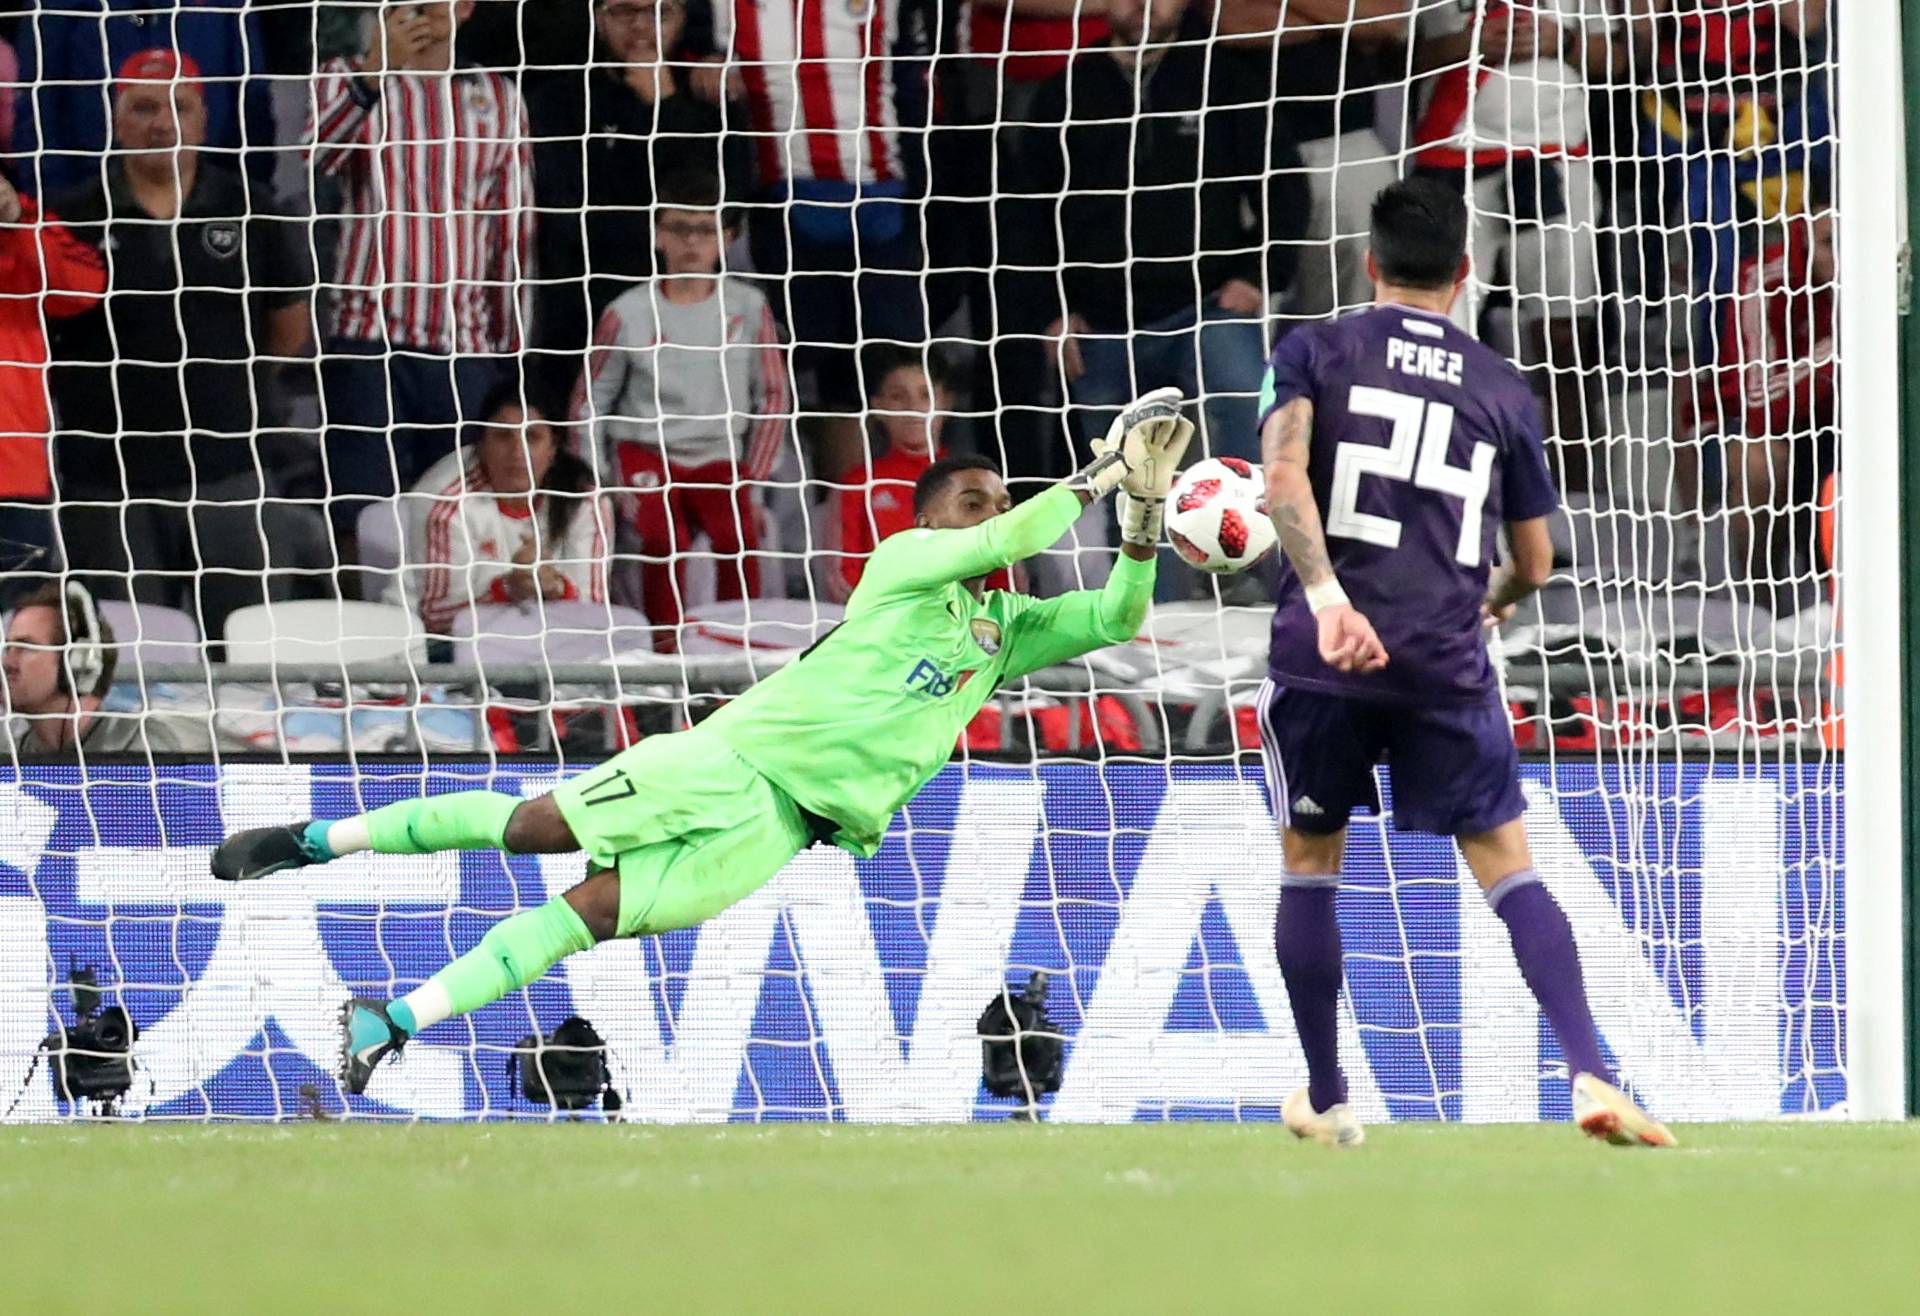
(1791, 1217)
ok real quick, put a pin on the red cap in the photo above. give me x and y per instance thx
(157, 64)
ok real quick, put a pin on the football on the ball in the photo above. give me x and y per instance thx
(1217, 515)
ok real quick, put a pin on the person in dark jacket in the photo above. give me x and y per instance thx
(168, 393)
(1173, 205)
(605, 135)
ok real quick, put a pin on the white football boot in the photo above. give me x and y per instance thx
(1332, 1127)
(1604, 1111)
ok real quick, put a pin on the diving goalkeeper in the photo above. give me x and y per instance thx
(681, 826)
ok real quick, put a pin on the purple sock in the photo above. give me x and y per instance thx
(1306, 938)
(1549, 961)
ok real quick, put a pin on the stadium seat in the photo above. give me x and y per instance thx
(1596, 540)
(701, 568)
(324, 631)
(1680, 624)
(381, 536)
(1184, 634)
(768, 625)
(148, 633)
(554, 633)
(1559, 604)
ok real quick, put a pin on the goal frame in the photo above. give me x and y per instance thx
(1881, 352)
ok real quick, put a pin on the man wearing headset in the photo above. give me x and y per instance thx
(58, 666)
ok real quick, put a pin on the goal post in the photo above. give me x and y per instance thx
(1876, 398)
(1889, 394)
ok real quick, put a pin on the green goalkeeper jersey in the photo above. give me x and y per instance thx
(860, 723)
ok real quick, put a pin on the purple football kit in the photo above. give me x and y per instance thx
(1425, 442)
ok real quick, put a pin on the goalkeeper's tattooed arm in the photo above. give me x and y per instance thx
(1347, 639)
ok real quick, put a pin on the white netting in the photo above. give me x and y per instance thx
(319, 318)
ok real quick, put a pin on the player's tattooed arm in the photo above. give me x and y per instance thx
(1285, 443)
(1348, 642)
(1529, 566)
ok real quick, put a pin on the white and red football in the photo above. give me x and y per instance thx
(1217, 515)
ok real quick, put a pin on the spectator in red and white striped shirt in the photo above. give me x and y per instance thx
(512, 518)
(821, 88)
(435, 248)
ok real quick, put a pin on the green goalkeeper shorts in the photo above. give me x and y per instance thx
(689, 825)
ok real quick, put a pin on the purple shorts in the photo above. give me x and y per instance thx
(1454, 767)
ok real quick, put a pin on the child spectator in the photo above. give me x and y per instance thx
(907, 409)
(605, 135)
(509, 518)
(686, 392)
(44, 270)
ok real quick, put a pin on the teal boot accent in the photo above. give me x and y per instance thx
(368, 1035)
(313, 842)
(262, 851)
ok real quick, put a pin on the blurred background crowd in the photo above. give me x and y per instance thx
(663, 302)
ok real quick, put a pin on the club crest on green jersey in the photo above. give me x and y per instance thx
(986, 634)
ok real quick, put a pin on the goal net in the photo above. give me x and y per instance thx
(432, 397)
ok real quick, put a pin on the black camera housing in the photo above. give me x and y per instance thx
(93, 1059)
(565, 1069)
(1021, 1051)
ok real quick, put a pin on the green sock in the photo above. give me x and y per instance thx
(468, 820)
(515, 952)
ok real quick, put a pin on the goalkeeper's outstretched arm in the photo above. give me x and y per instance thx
(1056, 630)
(923, 558)
(1138, 457)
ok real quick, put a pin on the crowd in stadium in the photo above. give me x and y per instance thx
(599, 289)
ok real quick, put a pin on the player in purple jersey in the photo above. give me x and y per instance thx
(1396, 447)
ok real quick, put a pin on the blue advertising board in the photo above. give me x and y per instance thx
(1706, 901)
